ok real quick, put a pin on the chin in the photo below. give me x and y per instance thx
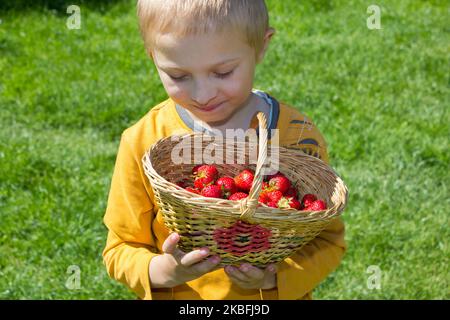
(213, 118)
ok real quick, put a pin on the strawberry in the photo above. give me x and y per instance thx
(274, 196)
(272, 204)
(294, 203)
(212, 191)
(206, 175)
(265, 186)
(286, 202)
(244, 180)
(277, 174)
(263, 198)
(238, 196)
(193, 190)
(308, 199)
(183, 183)
(317, 205)
(228, 186)
(280, 183)
(195, 169)
(291, 192)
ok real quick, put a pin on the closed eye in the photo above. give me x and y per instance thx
(177, 78)
(218, 75)
(224, 75)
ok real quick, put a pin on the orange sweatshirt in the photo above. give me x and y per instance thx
(136, 229)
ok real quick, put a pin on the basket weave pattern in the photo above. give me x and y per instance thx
(245, 230)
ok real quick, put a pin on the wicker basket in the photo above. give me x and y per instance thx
(245, 230)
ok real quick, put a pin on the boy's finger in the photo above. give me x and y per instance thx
(194, 256)
(272, 268)
(206, 266)
(247, 284)
(170, 244)
(251, 271)
(235, 273)
(242, 284)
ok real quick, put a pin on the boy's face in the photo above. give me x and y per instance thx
(211, 75)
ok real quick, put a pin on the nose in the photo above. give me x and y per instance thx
(203, 92)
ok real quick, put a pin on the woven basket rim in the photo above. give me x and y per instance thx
(335, 210)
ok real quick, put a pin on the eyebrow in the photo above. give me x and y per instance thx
(211, 67)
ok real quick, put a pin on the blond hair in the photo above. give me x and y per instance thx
(195, 17)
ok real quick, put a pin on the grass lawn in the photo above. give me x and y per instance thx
(380, 97)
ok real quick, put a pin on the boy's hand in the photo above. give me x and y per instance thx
(176, 267)
(250, 277)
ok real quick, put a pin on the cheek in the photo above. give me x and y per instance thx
(240, 85)
(175, 91)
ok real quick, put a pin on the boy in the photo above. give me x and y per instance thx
(205, 52)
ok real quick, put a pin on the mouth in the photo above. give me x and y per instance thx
(211, 107)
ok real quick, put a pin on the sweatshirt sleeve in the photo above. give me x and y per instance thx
(130, 244)
(308, 267)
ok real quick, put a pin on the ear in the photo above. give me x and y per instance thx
(269, 34)
(149, 53)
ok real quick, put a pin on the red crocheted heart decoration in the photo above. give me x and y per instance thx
(242, 238)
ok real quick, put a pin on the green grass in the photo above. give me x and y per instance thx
(380, 97)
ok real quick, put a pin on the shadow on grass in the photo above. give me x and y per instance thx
(60, 6)
(9, 48)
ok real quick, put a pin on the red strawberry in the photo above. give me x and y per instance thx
(274, 196)
(228, 186)
(244, 180)
(291, 192)
(308, 199)
(238, 196)
(195, 169)
(280, 183)
(317, 205)
(212, 191)
(263, 198)
(265, 186)
(183, 183)
(206, 175)
(294, 203)
(193, 190)
(289, 203)
(278, 173)
(272, 204)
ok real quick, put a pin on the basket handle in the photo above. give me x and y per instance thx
(249, 204)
